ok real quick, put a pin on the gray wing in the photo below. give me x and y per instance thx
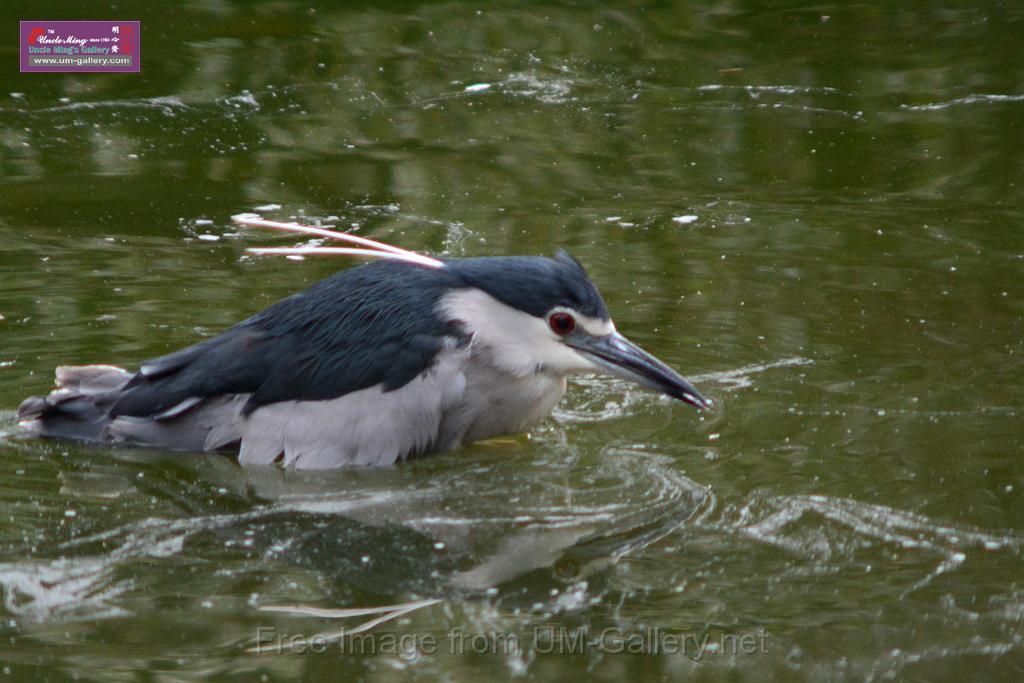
(365, 326)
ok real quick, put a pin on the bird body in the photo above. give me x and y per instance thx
(375, 364)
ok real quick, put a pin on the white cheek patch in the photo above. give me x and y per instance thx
(514, 341)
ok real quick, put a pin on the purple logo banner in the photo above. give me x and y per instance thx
(80, 46)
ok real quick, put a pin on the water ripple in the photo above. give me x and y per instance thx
(826, 529)
(457, 533)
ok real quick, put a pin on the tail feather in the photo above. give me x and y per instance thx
(74, 409)
(92, 380)
(79, 409)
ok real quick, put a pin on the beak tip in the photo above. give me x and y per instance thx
(699, 402)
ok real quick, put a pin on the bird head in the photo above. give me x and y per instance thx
(537, 314)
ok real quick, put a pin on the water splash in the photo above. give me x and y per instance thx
(963, 101)
(756, 90)
(532, 85)
(825, 529)
(740, 378)
(70, 589)
(167, 104)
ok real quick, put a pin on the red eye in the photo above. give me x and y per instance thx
(562, 323)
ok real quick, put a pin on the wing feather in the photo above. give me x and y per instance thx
(369, 325)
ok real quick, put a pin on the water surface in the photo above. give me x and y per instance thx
(813, 210)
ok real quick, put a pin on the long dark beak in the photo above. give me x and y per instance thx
(623, 358)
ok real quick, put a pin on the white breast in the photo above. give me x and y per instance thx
(496, 403)
(366, 427)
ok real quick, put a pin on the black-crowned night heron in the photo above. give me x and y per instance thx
(386, 361)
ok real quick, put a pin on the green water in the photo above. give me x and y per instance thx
(849, 293)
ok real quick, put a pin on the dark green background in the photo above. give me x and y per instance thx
(850, 295)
